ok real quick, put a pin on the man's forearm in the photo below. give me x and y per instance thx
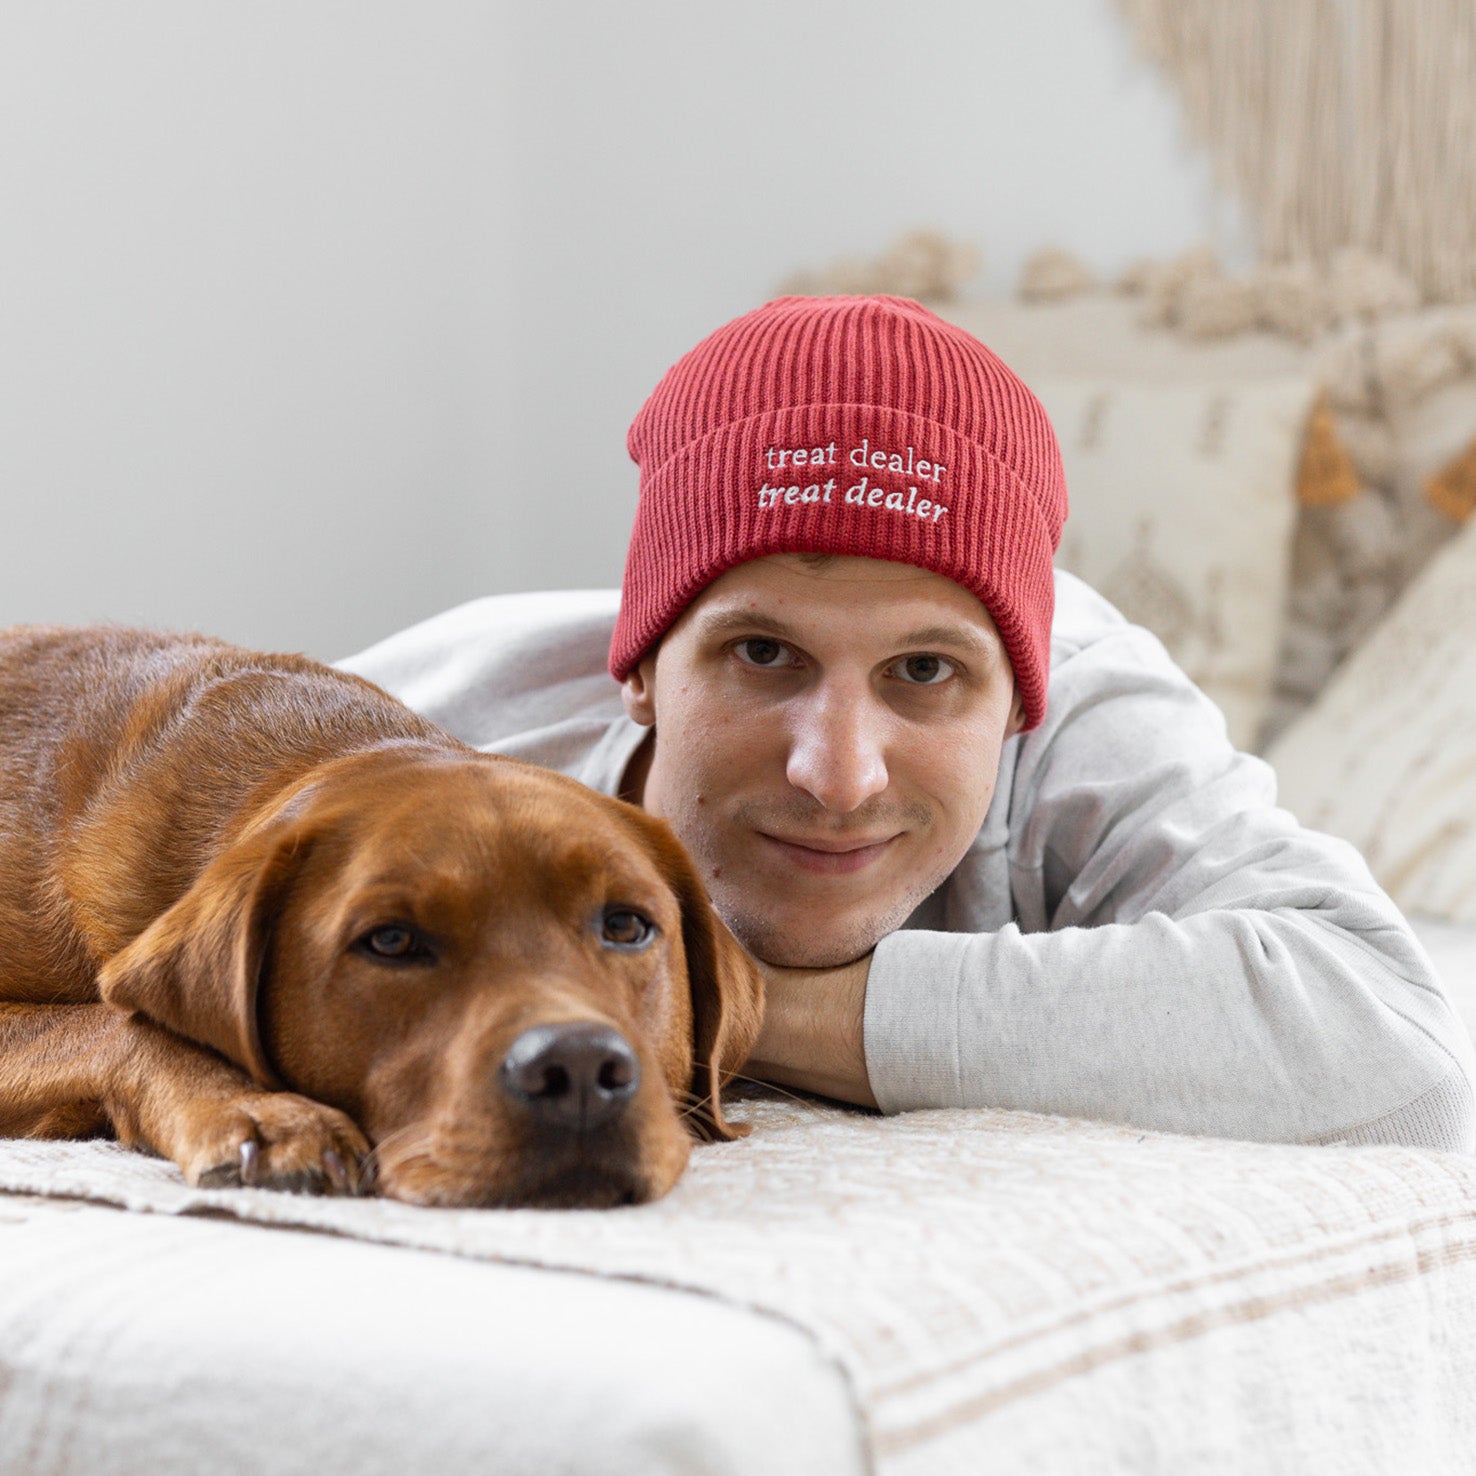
(1262, 1025)
(812, 1031)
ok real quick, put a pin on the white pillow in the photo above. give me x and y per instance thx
(1098, 335)
(1182, 509)
(1386, 757)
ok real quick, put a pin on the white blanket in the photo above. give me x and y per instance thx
(1014, 1291)
(958, 1290)
(177, 1345)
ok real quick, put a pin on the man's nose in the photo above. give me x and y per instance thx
(837, 751)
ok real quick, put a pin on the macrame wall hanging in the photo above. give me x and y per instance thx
(1337, 123)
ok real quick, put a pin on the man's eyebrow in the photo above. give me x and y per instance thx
(720, 622)
(960, 637)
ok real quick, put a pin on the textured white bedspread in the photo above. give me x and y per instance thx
(164, 1345)
(994, 1290)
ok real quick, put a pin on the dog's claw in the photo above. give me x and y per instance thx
(249, 1155)
(337, 1173)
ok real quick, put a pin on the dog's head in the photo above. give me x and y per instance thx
(516, 986)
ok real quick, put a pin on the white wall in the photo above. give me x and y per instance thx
(317, 317)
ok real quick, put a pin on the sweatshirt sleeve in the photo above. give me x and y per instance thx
(1184, 957)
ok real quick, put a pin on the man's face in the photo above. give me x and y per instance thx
(827, 744)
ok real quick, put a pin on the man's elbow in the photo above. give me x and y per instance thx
(1442, 1117)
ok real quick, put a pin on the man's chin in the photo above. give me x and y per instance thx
(809, 959)
(814, 928)
(792, 948)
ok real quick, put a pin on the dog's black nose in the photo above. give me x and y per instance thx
(572, 1077)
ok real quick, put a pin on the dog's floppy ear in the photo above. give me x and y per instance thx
(727, 1011)
(727, 990)
(197, 967)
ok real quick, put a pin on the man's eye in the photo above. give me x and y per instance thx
(395, 943)
(924, 671)
(626, 928)
(762, 651)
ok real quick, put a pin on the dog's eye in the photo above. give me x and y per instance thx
(624, 928)
(394, 941)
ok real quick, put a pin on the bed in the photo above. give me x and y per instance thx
(842, 1293)
(845, 1293)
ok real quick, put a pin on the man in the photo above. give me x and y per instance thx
(982, 860)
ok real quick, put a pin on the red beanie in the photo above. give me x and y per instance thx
(846, 425)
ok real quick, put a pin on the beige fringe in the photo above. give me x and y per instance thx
(1338, 123)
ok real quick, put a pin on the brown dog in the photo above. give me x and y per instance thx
(251, 906)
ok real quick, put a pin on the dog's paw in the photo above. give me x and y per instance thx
(275, 1140)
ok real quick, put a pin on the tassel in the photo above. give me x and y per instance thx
(1452, 490)
(1326, 475)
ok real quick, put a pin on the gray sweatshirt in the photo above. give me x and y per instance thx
(1136, 935)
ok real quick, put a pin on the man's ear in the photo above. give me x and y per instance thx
(727, 989)
(638, 692)
(197, 967)
(1017, 715)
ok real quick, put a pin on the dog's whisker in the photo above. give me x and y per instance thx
(404, 1143)
(698, 1104)
(768, 1086)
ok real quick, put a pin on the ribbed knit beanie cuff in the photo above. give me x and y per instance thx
(846, 425)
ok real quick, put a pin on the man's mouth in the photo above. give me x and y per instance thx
(828, 856)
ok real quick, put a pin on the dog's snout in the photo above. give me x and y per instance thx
(572, 1077)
